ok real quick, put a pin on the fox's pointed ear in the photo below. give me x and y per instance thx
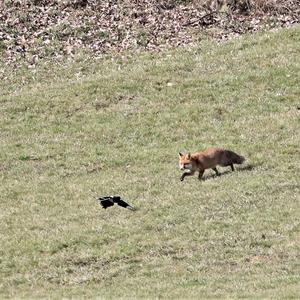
(189, 156)
(180, 154)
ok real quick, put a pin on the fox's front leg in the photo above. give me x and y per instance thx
(200, 174)
(186, 174)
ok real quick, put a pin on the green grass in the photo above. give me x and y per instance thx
(115, 126)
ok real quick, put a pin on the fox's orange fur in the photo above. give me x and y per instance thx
(208, 159)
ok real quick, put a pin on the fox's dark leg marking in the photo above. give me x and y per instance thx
(232, 167)
(200, 174)
(217, 172)
(186, 174)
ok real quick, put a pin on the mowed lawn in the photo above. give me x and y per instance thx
(81, 128)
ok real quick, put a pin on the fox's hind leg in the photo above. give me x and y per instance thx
(200, 174)
(232, 167)
(216, 170)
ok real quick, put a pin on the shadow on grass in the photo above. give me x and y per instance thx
(238, 169)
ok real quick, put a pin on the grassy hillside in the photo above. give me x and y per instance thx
(115, 126)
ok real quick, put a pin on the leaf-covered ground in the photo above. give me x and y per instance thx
(34, 29)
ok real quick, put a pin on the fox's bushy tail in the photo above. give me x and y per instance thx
(235, 158)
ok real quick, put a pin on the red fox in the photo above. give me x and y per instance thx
(207, 159)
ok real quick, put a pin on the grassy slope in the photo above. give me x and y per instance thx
(237, 235)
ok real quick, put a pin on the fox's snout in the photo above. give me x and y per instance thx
(185, 166)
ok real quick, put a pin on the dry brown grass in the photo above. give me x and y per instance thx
(261, 6)
(271, 5)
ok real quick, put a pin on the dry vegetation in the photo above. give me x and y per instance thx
(34, 29)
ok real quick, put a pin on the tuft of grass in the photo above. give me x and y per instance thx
(72, 130)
